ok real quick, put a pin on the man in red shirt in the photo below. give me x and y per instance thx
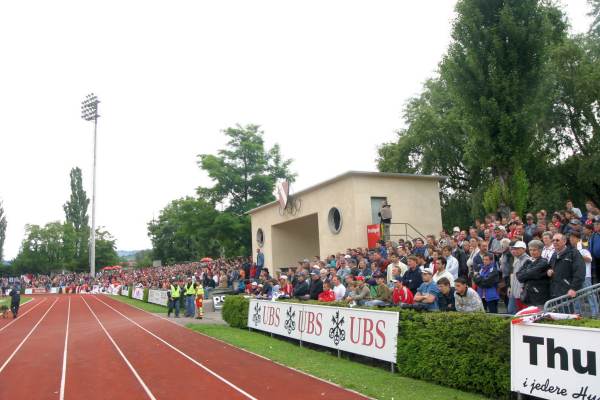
(401, 293)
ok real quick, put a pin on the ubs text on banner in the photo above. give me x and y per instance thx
(555, 362)
(367, 332)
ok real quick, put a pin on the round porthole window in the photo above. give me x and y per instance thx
(260, 237)
(335, 220)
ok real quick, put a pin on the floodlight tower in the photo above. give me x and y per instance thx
(89, 112)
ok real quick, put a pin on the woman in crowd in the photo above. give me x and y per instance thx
(534, 276)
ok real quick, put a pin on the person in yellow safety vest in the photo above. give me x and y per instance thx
(199, 298)
(173, 294)
(190, 294)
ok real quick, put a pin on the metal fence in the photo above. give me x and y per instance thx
(586, 303)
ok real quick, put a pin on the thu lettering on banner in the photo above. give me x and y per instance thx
(555, 362)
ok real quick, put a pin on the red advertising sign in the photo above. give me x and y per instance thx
(373, 235)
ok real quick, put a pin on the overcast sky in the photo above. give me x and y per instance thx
(325, 79)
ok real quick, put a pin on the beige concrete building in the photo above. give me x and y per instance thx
(333, 215)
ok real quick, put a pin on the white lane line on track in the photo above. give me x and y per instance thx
(22, 315)
(27, 337)
(219, 377)
(64, 365)
(140, 380)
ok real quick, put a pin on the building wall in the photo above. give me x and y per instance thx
(413, 200)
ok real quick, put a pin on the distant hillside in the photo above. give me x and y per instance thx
(129, 255)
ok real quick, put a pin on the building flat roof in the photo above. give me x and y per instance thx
(354, 173)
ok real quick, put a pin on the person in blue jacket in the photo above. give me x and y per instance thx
(487, 280)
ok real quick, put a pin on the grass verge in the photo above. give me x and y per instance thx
(370, 381)
(6, 301)
(150, 307)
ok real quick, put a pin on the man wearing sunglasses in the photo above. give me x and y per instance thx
(567, 268)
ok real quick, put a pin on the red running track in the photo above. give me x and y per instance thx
(94, 347)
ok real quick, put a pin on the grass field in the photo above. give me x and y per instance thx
(371, 381)
(6, 301)
(153, 308)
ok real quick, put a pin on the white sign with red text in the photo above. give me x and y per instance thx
(370, 333)
(555, 362)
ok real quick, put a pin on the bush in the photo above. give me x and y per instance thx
(467, 351)
(130, 291)
(145, 296)
(235, 311)
(464, 351)
(585, 323)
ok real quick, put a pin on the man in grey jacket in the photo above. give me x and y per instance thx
(520, 257)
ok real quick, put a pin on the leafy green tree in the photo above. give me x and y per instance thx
(244, 172)
(496, 70)
(3, 225)
(144, 258)
(76, 214)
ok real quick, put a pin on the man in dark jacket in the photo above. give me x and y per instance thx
(15, 296)
(567, 268)
(316, 286)
(412, 277)
(534, 276)
(301, 288)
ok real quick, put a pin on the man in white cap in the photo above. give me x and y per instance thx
(518, 250)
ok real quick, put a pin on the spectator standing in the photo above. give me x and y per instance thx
(518, 250)
(465, 298)
(575, 240)
(487, 284)
(260, 262)
(594, 247)
(576, 211)
(567, 269)
(460, 257)
(533, 275)
(385, 215)
(442, 272)
(451, 262)
(548, 249)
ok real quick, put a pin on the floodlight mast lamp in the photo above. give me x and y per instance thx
(89, 112)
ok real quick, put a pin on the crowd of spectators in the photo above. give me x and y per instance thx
(500, 260)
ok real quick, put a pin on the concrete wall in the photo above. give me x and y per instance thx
(414, 200)
(295, 240)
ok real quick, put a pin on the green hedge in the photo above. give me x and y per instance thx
(145, 296)
(467, 351)
(130, 291)
(235, 311)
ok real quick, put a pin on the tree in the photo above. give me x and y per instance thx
(245, 172)
(3, 225)
(496, 70)
(76, 213)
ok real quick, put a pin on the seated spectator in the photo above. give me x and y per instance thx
(465, 298)
(446, 296)
(487, 280)
(301, 289)
(401, 294)
(327, 295)
(316, 286)
(361, 292)
(285, 288)
(338, 288)
(364, 270)
(426, 297)
(534, 276)
(442, 272)
(383, 295)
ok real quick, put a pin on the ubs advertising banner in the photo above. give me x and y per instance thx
(367, 332)
(555, 362)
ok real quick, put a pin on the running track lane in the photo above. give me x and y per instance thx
(23, 310)
(94, 367)
(166, 373)
(14, 332)
(35, 370)
(259, 377)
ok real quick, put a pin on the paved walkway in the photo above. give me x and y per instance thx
(209, 318)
